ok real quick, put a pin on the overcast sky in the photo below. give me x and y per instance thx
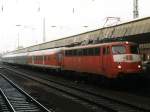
(24, 18)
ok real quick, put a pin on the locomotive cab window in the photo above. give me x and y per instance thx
(118, 49)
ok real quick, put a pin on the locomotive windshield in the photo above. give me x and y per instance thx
(134, 49)
(118, 49)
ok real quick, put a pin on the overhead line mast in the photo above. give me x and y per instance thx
(135, 9)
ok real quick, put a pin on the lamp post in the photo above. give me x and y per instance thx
(18, 25)
(44, 32)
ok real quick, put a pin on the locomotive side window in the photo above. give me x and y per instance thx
(90, 51)
(118, 49)
(85, 52)
(134, 49)
(106, 50)
(70, 53)
(97, 51)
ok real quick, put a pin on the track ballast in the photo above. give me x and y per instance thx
(14, 99)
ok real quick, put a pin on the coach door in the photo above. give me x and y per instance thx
(106, 60)
(59, 58)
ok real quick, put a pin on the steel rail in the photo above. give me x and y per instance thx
(26, 94)
(7, 101)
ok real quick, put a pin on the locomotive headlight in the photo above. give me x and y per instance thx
(127, 42)
(119, 66)
(139, 66)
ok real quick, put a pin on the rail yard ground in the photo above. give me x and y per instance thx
(63, 94)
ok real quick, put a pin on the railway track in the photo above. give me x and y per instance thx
(97, 100)
(14, 99)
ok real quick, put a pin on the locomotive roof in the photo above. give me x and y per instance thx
(102, 44)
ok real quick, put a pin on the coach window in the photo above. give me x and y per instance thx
(80, 52)
(47, 58)
(66, 53)
(44, 58)
(33, 58)
(70, 52)
(75, 52)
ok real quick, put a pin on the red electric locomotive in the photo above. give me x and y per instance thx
(108, 59)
